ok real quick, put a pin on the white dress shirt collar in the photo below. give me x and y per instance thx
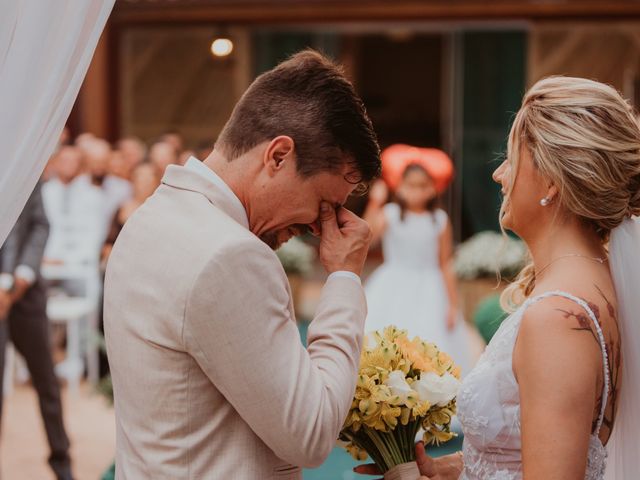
(205, 172)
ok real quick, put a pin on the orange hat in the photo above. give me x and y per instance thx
(396, 159)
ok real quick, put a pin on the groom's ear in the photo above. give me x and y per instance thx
(279, 154)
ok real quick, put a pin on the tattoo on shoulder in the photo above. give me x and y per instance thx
(610, 309)
(585, 324)
(583, 319)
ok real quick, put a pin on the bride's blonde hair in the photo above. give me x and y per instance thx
(584, 138)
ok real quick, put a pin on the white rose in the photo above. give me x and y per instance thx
(397, 383)
(436, 389)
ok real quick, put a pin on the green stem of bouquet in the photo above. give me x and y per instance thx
(377, 439)
(366, 444)
(388, 449)
(391, 445)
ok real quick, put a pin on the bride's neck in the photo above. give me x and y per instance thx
(562, 239)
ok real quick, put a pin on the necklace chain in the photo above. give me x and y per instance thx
(600, 260)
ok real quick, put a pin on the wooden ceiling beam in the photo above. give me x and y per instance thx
(342, 11)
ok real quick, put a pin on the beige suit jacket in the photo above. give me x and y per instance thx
(211, 380)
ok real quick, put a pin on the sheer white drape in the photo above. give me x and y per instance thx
(624, 259)
(45, 50)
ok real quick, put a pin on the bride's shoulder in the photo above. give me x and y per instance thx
(561, 310)
(556, 310)
(560, 323)
(557, 336)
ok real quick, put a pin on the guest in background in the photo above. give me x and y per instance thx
(115, 190)
(133, 151)
(174, 138)
(83, 140)
(144, 180)
(23, 314)
(161, 155)
(118, 166)
(74, 209)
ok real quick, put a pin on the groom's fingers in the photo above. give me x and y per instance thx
(344, 240)
(346, 217)
(328, 220)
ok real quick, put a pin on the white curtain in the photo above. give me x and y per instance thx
(45, 50)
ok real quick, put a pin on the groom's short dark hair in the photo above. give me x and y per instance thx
(308, 98)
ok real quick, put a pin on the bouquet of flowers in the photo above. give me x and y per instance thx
(403, 386)
(487, 253)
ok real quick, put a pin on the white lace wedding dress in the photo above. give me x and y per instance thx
(489, 407)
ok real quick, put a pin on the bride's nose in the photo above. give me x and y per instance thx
(499, 172)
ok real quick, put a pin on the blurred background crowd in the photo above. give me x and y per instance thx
(164, 79)
(91, 187)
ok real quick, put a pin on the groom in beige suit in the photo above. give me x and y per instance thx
(211, 380)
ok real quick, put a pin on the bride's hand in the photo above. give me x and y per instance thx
(443, 468)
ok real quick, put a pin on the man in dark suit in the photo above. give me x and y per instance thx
(23, 319)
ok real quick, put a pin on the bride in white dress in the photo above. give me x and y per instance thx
(560, 380)
(414, 288)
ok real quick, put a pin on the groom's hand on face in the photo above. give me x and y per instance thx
(344, 239)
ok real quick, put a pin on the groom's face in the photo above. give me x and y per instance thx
(288, 204)
(295, 210)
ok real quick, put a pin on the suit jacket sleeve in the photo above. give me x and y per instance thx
(37, 232)
(239, 328)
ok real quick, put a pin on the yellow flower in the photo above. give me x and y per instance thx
(356, 452)
(416, 352)
(390, 334)
(365, 386)
(390, 415)
(440, 417)
(353, 420)
(367, 407)
(421, 409)
(405, 416)
(444, 359)
(437, 437)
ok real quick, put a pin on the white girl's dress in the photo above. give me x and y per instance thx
(408, 289)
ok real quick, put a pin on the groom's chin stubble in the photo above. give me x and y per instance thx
(273, 241)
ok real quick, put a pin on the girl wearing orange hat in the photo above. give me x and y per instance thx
(415, 287)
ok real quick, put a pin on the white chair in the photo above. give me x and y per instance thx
(74, 311)
(81, 244)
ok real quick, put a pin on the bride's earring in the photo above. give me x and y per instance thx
(545, 201)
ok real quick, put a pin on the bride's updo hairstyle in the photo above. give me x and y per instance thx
(584, 138)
